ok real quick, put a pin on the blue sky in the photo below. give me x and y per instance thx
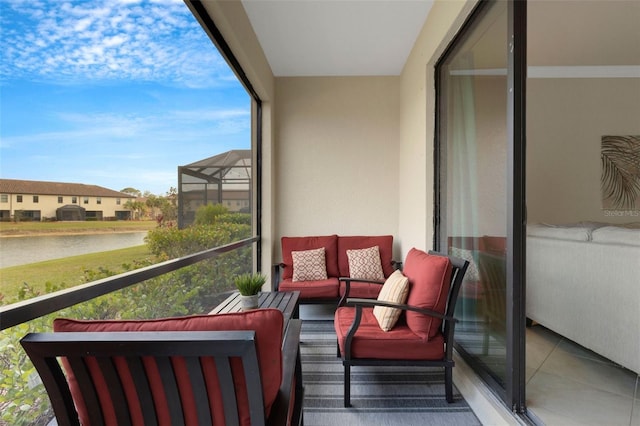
(115, 93)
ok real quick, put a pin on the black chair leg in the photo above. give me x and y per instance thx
(347, 386)
(448, 384)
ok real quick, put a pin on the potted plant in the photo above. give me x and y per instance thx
(249, 286)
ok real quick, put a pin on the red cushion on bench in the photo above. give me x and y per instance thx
(385, 246)
(267, 323)
(320, 289)
(329, 242)
(370, 341)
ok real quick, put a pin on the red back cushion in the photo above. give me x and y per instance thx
(267, 323)
(329, 242)
(384, 243)
(429, 282)
(497, 245)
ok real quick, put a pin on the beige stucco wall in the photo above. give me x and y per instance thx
(346, 155)
(337, 156)
(417, 124)
(566, 118)
(48, 205)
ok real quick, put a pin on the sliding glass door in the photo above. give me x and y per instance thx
(479, 205)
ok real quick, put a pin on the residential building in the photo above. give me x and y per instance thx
(40, 200)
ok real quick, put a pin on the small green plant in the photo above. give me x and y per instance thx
(249, 284)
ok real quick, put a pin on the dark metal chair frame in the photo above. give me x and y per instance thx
(447, 329)
(45, 349)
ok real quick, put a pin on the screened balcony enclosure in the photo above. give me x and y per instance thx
(222, 179)
(352, 151)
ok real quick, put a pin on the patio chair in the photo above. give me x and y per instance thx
(227, 369)
(423, 332)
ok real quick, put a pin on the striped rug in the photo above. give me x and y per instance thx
(379, 395)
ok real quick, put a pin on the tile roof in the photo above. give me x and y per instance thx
(16, 186)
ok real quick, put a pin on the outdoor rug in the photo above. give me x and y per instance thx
(379, 395)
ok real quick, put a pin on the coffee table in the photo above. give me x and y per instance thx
(285, 301)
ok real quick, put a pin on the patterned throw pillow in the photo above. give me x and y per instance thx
(472, 273)
(365, 264)
(309, 265)
(395, 290)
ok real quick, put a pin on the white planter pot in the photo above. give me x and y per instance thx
(249, 302)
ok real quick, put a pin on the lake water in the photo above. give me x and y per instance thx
(22, 250)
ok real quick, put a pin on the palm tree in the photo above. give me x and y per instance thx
(620, 180)
(135, 206)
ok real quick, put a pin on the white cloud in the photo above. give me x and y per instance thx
(81, 41)
(106, 129)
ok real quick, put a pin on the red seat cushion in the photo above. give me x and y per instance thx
(362, 290)
(429, 282)
(268, 325)
(384, 243)
(329, 242)
(370, 341)
(321, 289)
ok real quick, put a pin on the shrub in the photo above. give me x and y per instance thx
(206, 215)
(238, 218)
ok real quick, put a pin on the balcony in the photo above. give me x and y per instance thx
(319, 362)
(354, 154)
(143, 293)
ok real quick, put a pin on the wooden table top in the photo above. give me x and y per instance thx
(285, 301)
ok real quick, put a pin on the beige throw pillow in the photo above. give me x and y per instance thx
(396, 290)
(309, 265)
(365, 264)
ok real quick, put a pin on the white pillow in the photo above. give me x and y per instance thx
(617, 235)
(559, 232)
(365, 264)
(309, 265)
(396, 290)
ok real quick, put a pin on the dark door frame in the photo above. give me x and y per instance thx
(513, 391)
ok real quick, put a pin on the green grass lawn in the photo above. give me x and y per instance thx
(69, 270)
(35, 228)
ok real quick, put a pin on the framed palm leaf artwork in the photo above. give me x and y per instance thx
(620, 179)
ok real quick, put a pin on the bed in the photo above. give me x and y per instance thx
(583, 282)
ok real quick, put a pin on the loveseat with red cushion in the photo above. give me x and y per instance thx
(323, 267)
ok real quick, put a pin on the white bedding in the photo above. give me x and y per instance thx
(583, 282)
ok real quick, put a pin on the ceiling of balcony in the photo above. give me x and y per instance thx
(337, 37)
(375, 37)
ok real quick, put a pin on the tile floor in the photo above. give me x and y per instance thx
(570, 385)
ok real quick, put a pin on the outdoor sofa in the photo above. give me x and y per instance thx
(325, 268)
